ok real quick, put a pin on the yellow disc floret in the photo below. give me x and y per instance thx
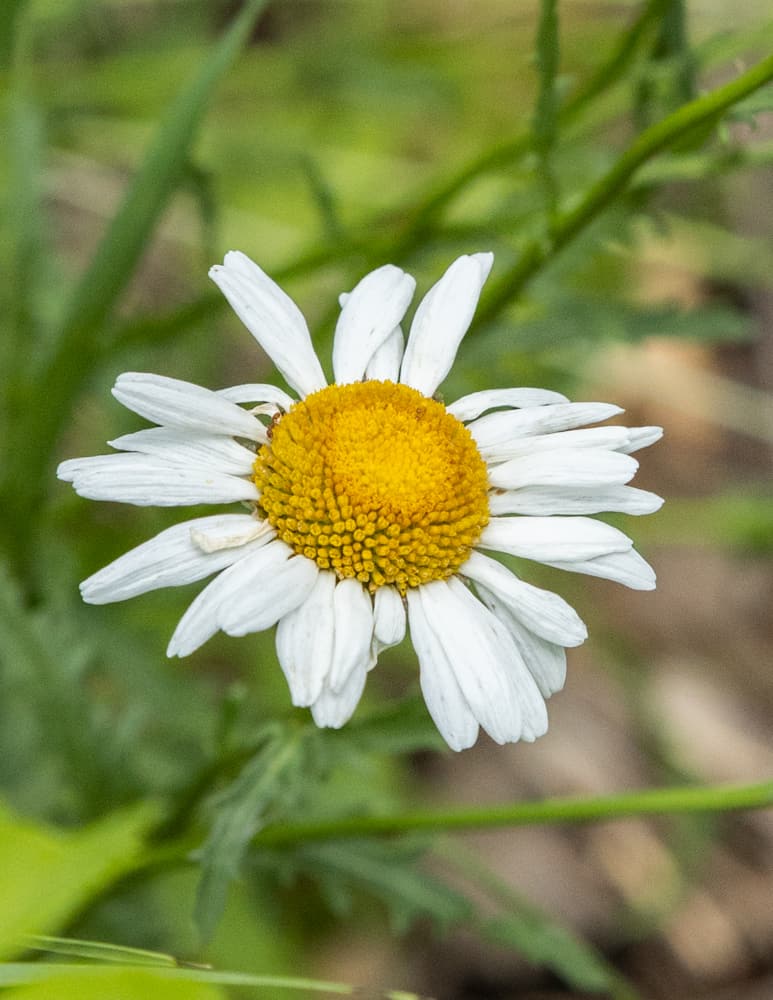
(376, 482)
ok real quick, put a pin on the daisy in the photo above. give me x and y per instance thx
(367, 502)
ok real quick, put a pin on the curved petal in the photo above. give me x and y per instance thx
(541, 611)
(149, 480)
(501, 693)
(258, 392)
(441, 321)
(545, 661)
(175, 403)
(642, 437)
(384, 366)
(255, 608)
(180, 447)
(469, 407)
(305, 641)
(171, 559)
(201, 620)
(333, 709)
(353, 611)
(476, 659)
(442, 694)
(495, 433)
(628, 568)
(549, 500)
(272, 318)
(388, 619)
(546, 539)
(582, 468)
(371, 312)
(612, 437)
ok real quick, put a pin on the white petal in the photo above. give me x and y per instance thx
(305, 641)
(468, 407)
(442, 694)
(612, 437)
(549, 500)
(222, 454)
(257, 392)
(499, 689)
(585, 467)
(641, 437)
(272, 318)
(201, 620)
(476, 658)
(441, 321)
(170, 559)
(175, 403)
(388, 619)
(627, 568)
(148, 480)
(334, 709)
(542, 612)
(545, 661)
(373, 309)
(496, 433)
(384, 366)
(273, 596)
(353, 609)
(546, 539)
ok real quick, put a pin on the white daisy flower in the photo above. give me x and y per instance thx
(369, 501)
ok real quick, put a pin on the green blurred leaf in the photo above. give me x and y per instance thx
(50, 724)
(162, 169)
(47, 875)
(254, 798)
(115, 984)
(545, 943)
(388, 871)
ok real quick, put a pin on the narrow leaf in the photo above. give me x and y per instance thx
(242, 809)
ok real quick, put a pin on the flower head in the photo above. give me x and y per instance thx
(368, 502)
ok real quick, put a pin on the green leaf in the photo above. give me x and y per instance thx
(47, 875)
(99, 981)
(242, 809)
(117, 984)
(544, 943)
(388, 871)
(113, 264)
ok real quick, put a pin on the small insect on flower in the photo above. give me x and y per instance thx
(371, 504)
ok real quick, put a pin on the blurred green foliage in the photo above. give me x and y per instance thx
(141, 138)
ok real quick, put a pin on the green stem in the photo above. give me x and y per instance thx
(652, 141)
(433, 201)
(561, 810)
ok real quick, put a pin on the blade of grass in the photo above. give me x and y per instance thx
(545, 122)
(75, 348)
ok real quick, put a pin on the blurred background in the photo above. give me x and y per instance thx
(339, 135)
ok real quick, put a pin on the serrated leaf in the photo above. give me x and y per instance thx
(389, 872)
(242, 809)
(544, 943)
(47, 875)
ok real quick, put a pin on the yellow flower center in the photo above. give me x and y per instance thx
(374, 481)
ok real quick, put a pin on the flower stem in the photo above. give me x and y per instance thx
(655, 139)
(560, 810)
